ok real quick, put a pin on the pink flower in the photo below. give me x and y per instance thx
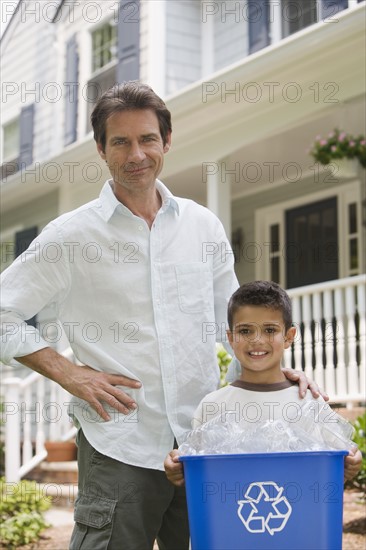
(342, 136)
(323, 142)
(334, 148)
(363, 142)
(352, 143)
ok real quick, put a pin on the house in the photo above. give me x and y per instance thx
(250, 85)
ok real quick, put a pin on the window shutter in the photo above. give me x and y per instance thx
(71, 97)
(258, 25)
(331, 7)
(24, 238)
(128, 41)
(26, 136)
(22, 241)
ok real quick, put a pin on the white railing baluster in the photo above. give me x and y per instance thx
(318, 342)
(27, 413)
(296, 314)
(352, 377)
(341, 375)
(308, 351)
(361, 307)
(329, 342)
(40, 432)
(54, 427)
(12, 429)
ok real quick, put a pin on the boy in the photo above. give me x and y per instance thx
(260, 330)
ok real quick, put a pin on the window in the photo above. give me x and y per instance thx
(275, 252)
(353, 239)
(104, 46)
(11, 141)
(298, 14)
(10, 152)
(312, 243)
(104, 64)
(329, 8)
(18, 143)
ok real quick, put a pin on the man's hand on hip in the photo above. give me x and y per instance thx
(83, 381)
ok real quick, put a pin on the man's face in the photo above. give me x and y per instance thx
(259, 338)
(134, 150)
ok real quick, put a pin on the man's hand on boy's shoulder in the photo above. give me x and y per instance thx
(304, 383)
(174, 468)
(352, 465)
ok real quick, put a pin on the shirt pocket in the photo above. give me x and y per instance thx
(93, 522)
(195, 287)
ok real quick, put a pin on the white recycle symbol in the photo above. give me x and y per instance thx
(269, 494)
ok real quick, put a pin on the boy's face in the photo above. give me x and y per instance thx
(259, 339)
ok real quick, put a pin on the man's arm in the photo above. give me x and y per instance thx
(83, 381)
(305, 384)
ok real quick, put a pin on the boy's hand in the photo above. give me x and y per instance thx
(304, 383)
(174, 468)
(352, 464)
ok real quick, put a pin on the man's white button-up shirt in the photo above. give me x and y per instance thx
(148, 304)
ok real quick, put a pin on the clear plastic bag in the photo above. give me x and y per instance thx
(317, 428)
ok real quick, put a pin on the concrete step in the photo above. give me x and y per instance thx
(55, 472)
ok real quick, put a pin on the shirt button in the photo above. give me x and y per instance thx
(140, 227)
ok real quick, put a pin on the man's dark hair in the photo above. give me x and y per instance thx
(129, 96)
(261, 293)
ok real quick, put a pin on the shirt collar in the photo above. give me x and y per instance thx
(109, 202)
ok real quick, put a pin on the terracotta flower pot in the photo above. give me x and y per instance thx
(60, 451)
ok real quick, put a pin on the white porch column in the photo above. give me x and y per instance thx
(217, 176)
(275, 18)
(153, 46)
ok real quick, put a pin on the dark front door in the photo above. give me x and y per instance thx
(312, 243)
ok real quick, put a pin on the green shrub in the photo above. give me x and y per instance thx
(21, 508)
(359, 482)
(223, 359)
(22, 529)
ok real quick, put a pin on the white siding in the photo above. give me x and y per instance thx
(183, 58)
(28, 64)
(144, 42)
(230, 32)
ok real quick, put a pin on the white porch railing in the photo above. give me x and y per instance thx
(330, 344)
(34, 411)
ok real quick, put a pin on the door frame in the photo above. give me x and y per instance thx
(276, 214)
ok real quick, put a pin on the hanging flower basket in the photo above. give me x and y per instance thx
(345, 168)
(338, 147)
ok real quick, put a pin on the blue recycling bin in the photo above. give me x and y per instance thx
(269, 501)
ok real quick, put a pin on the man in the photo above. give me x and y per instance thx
(145, 270)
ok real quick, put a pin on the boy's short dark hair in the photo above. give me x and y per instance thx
(261, 293)
(129, 96)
